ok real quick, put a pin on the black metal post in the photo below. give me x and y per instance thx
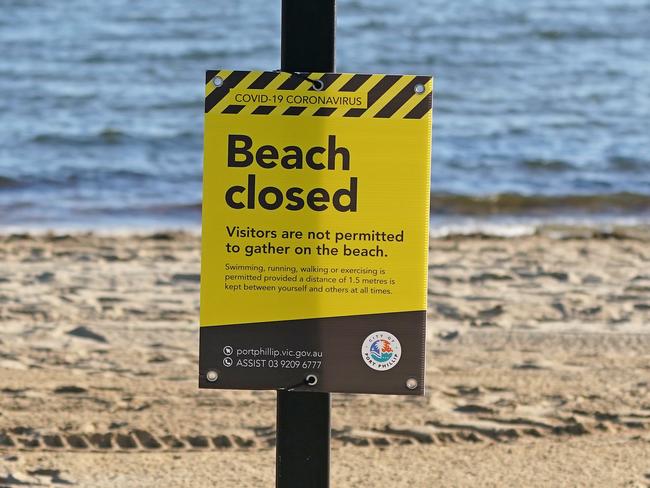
(303, 418)
(308, 33)
(303, 446)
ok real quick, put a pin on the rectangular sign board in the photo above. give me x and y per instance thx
(315, 231)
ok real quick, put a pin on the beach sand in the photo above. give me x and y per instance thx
(538, 370)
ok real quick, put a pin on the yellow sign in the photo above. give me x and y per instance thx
(315, 196)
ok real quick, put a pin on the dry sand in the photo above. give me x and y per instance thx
(538, 371)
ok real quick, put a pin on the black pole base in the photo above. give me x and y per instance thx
(303, 440)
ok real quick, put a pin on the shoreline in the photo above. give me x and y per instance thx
(455, 228)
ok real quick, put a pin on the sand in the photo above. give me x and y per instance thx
(538, 370)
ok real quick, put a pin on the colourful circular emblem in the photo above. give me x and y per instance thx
(381, 351)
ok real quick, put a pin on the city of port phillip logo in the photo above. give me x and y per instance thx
(381, 351)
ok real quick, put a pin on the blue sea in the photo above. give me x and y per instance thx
(541, 111)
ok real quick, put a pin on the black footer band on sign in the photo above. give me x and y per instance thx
(280, 355)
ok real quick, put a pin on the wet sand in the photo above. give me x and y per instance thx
(538, 370)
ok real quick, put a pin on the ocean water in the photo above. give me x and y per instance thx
(542, 108)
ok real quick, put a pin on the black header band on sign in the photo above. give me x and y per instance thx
(381, 94)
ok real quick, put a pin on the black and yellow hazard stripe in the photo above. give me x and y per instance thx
(388, 96)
